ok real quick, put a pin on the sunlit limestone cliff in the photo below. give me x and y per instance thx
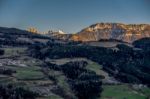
(118, 31)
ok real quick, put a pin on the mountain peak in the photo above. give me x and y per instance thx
(61, 32)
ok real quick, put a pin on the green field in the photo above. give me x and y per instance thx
(61, 82)
(29, 74)
(123, 92)
(51, 97)
(14, 50)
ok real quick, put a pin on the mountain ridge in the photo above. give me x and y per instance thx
(118, 31)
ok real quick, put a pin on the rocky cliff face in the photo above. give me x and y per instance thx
(124, 32)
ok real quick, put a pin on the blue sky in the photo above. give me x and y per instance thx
(71, 15)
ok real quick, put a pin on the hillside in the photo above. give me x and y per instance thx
(34, 66)
(17, 37)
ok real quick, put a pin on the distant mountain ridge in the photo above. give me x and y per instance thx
(118, 31)
(96, 32)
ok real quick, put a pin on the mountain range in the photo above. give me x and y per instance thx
(124, 32)
(96, 32)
